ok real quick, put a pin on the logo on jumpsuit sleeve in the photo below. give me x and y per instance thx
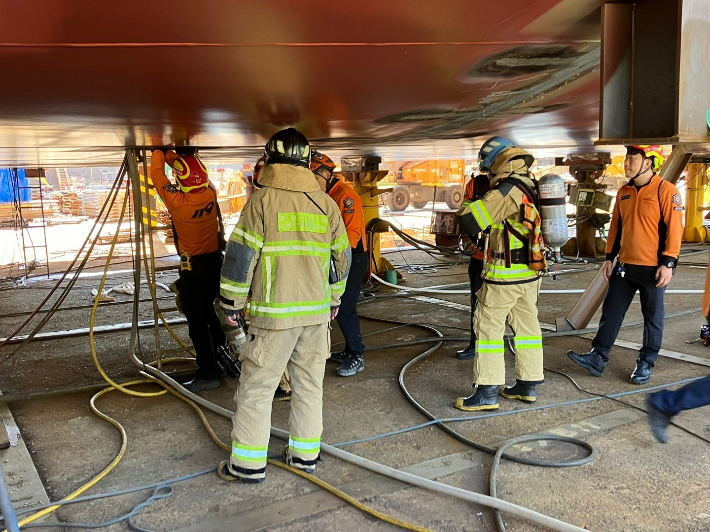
(676, 199)
(348, 203)
(627, 196)
(171, 188)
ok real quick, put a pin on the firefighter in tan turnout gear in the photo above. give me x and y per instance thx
(290, 253)
(510, 284)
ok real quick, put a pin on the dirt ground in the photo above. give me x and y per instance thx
(635, 484)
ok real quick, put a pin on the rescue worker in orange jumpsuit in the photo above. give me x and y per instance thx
(476, 188)
(192, 204)
(644, 238)
(351, 359)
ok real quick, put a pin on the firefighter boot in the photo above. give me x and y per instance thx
(225, 473)
(485, 398)
(592, 361)
(522, 391)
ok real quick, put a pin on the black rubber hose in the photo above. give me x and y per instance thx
(116, 186)
(439, 339)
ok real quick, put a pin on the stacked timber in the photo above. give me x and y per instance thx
(70, 203)
(63, 179)
(30, 210)
(93, 200)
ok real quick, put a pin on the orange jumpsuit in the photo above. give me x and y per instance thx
(194, 214)
(350, 206)
(196, 226)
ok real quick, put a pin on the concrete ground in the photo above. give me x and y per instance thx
(635, 484)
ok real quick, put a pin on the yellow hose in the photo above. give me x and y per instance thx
(124, 438)
(93, 314)
(106, 471)
(318, 482)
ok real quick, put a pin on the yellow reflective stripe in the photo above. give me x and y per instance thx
(340, 243)
(338, 287)
(481, 215)
(268, 264)
(490, 346)
(302, 221)
(248, 236)
(516, 271)
(231, 287)
(287, 310)
(528, 342)
(273, 249)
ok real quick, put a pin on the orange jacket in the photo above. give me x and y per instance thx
(350, 206)
(194, 214)
(646, 224)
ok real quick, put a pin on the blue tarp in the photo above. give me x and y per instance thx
(8, 185)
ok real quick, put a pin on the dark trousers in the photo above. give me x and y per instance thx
(198, 289)
(692, 395)
(347, 317)
(616, 303)
(475, 269)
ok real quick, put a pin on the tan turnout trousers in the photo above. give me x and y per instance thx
(267, 353)
(517, 303)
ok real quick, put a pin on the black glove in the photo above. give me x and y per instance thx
(164, 149)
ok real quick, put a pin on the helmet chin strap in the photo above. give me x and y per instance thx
(641, 171)
(330, 182)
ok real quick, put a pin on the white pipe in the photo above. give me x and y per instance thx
(381, 469)
(436, 289)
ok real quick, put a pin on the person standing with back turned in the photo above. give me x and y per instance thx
(192, 204)
(280, 254)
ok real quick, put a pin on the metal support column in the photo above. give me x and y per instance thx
(149, 220)
(134, 177)
(694, 200)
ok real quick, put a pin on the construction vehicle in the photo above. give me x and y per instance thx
(418, 183)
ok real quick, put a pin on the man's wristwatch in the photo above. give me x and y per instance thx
(668, 262)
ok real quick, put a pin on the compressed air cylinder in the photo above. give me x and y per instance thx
(552, 194)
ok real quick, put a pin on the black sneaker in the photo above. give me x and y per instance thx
(642, 373)
(592, 361)
(282, 395)
(485, 398)
(352, 365)
(339, 357)
(225, 474)
(466, 354)
(201, 385)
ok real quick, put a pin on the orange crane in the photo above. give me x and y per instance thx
(420, 182)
